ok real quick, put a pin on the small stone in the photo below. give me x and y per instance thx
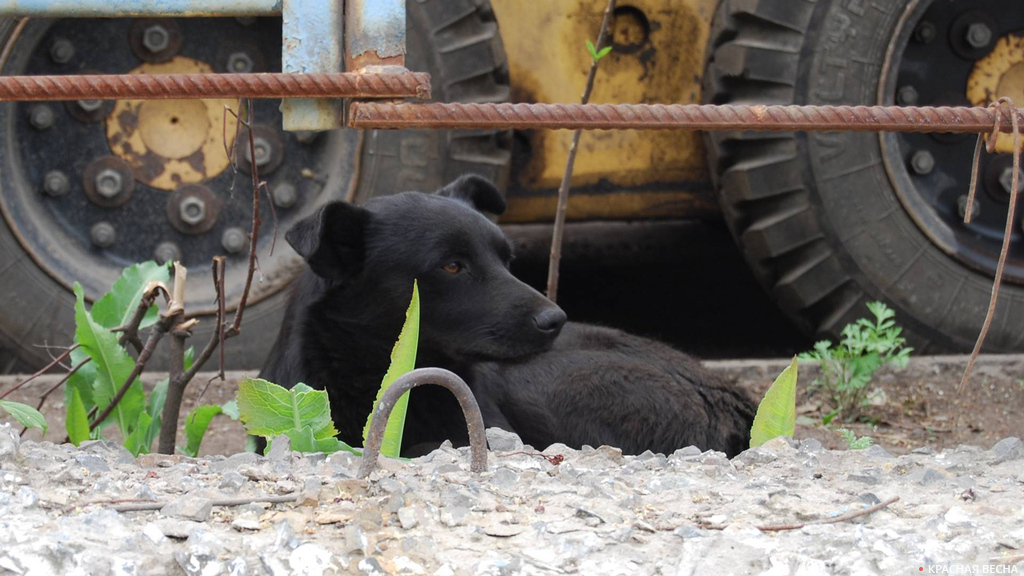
(145, 493)
(1007, 450)
(310, 559)
(504, 477)
(177, 528)
(501, 530)
(92, 463)
(957, 516)
(243, 524)
(603, 457)
(158, 460)
(810, 446)
(754, 456)
(371, 567)
(876, 451)
(454, 516)
(280, 448)
(232, 481)
(9, 441)
(499, 440)
(153, 533)
(341, 513)
(27, 497)
(189, 508)
(869, 476)
(407, 517)
(457, 497)
(234, 462)
(405, 565)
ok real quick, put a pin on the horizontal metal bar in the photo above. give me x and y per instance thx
(121, 8)
(398, 84)
(678, 117)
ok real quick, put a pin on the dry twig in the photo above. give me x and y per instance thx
(40, 372)
(563, 188)
(844, 518)
(1008, 105)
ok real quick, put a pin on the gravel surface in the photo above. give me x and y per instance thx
(593, 512)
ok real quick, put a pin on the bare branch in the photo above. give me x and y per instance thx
(40, 372)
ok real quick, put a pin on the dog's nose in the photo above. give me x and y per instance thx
(550, 320)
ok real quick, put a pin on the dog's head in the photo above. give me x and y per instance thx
(471, 305)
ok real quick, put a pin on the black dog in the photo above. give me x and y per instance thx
(575, 384)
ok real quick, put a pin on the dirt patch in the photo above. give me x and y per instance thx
(920, 408)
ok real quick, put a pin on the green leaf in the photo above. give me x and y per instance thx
(230, 409)
(591, 49)
(136, 441)
(112, 364)
(604, 52)
(269, 410)
(77, 421)
(82, 380)
(854, 443)
(303, 440)
(116, 307)
(155, 408)
(25, 414)
(403, 360)
(776, 415)
(196, 423)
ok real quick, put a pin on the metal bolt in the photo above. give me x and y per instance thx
(239, 62)
(166, 252)
(922, 162)
(90, 105)
(56, 183)
(285, 195)
(979, 35)
(907, 96)
(156, 38)
(103, 234)
(925, 33)
(62, 51)
(41, 116)
(961, 207)
(109, 183)
(192, 210)
(234, 240)
(1006, 179)
(263, 151)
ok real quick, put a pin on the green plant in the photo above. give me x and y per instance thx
(776, 414)
(24, 414)
(854, 443)
(595, 53)
(866, 346)
(304, 414)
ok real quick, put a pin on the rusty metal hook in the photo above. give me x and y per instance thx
(419, 377)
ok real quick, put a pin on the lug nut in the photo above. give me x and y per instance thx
(192, 210)
(62, 51)
(41, 117)
(239, 63)
(156, 38)
(234, 240)
(103, 234)
(166, 252)
(1006, 180)
(979, 35)
(109, 183)
(925, 33)
(263, 151)
(285, 195)
(56, 183)
(922, 162)
(90, 105)
(907, 96)
(961, 207)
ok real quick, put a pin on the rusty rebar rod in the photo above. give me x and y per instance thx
(677, 116)
(399, 84)
(408, 381)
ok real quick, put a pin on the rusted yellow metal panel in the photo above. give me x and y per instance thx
(659, 58)
(999, 74)
(172, 142)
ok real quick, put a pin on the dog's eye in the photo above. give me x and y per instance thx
(452, 267)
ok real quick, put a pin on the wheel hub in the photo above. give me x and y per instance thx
(952, 54)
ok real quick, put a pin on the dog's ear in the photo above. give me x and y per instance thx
(332, 241)
(476, 190)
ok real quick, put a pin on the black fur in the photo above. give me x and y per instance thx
(577, 385)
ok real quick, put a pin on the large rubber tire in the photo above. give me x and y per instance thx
(456, 41)
(817, 215)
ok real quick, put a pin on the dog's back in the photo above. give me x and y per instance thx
(602, 386)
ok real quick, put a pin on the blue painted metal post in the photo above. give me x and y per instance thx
(374, 33)
(123, 8)
(312, 31)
